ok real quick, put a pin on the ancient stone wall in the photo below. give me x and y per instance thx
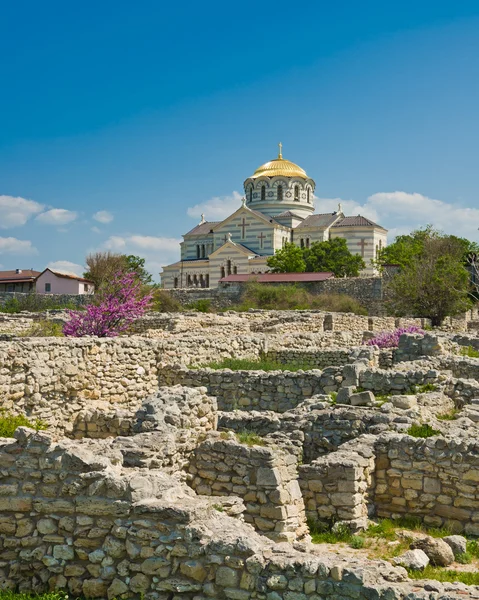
(434, 479)
(71, 520)
(60, 299)
(338, 487)
(264, 477)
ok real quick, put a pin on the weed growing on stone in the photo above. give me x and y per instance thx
(422, 431)
(9, 423)
(218, 507)
(449, 416)
(8, 595)
(357, 542)
(441, 574)
(334, 396)
(43, 329)
(247, 364)
(250, 438)
(470, 352)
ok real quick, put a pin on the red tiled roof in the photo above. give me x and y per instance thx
(14, 277)
(67, 275)
(277, 277)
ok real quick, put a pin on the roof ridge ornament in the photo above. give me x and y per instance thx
(243, 201)
(202, 219)
(280, 150)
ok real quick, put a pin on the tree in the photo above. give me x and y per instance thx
(116, 309)
(103, 266)
(407, 248)
(333, 256)
(136, 264)
(433, 282)
(287, 260)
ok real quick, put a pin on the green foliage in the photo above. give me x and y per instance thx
(425, 389)
(326, 532)
(433, 282)
(441, 574)
(470, 352)
(295, 297)
(329, 256)
(9, 595)
(203, 305)
(274, 297)
(43, 329)
(449, 416)
(35, 303)
(249, 364)
(219, 507)
(422, 431)
(289, 259)
(9, 423)
(334, 396)
(337, 303)
(250, 438)
(163, 301)
(333, 256)
(473, 548)
(464, 559)
(136, 264)
(357, 542)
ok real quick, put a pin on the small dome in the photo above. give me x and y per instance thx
(279, 166)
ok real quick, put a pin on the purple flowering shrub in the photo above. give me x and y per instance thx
(390, 339)
(120, 304)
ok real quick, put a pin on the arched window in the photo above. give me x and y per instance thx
(308, 196)
(296, 193)
(207, 280)
(263, 192)
(307, 242)
(188, 281)
(228, 267)
(175, 283)
(280, 193)
(222, 272)
(302, 242)
(251, 194)
(197, 251)
(235, 270)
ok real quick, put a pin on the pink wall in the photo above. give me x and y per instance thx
(60, 285)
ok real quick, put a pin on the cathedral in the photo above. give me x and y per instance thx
(278, 207)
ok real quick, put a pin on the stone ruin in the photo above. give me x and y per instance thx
(160, 478)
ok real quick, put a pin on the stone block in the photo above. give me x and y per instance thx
(362, 399)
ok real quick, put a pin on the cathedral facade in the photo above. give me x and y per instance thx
(278, 207)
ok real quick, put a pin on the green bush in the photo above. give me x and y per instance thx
(43, 329)
(470, 352)
(203, 305)
(9, 423)
(165, 302)
(292, 296)
(357, 542)
(250, 438)
(9, 595)
(422, 431)
(35, 303)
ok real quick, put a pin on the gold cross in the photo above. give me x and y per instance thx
(280, 153)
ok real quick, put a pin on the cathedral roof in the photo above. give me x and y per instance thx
(279, 167)
(288, 213)
(321, 220)
(202, 228)
(357, 221)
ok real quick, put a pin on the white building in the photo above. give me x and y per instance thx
(59, 282)
(278, 207)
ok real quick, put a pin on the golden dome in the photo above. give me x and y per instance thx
(279, 166)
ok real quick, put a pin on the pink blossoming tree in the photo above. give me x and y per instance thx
(119, 305)
(390, 339)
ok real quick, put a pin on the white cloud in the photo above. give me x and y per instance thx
(67, 266)
(11, 245)
(15, 211)
(95, 229)
(217, 208)
(57, 216)
(157, 251)
(401, 212)
(103, 216)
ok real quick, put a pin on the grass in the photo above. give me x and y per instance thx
(203, 305)
(470, 352)
(441, 574)
(8, 595)
(250, 438)
(422, 389)
(294, 297)
(163, 301)
(35, 303)
(422, 431)
(449, 416)
(334, 397)
(248, 364)
(43, 329)
(9, 423)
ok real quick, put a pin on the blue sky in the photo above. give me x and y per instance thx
(121, 122)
